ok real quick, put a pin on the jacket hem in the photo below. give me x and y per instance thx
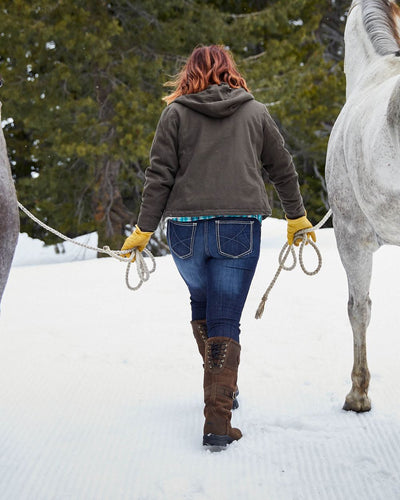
(215, 212)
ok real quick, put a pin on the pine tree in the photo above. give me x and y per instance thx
(287, 56)
(84, 82)
(83, 88)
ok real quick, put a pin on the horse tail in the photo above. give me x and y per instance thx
(393, 114)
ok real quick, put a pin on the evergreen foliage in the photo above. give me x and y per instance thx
(84, 82)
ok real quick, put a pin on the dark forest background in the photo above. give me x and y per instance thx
(83, 82)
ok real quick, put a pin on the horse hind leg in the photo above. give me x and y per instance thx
(357, 260)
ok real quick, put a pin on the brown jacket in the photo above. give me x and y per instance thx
(211, 155)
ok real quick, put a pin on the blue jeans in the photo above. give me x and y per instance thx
(217, 259)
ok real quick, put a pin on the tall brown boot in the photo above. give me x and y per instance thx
(222, 356)
(200, 334)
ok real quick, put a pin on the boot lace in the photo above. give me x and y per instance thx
(202, 331)
(217, 354)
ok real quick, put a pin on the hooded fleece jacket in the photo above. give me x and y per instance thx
(212, 153)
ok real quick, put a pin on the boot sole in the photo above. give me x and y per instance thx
(215, 442)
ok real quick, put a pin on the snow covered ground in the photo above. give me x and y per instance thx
(101, 388)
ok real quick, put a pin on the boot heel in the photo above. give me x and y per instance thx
(235, 404)
(215, 442)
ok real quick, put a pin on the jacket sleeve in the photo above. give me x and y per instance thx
(278, 165)
(160, 175)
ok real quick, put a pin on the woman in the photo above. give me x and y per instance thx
(212, 149)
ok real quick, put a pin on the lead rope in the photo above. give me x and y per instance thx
(284, 253)
(141, 267)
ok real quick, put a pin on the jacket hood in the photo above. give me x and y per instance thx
(217, 101)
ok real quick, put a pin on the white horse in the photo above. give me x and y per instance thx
(363, 165)
(9, 217)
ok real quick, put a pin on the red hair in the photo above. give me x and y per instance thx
(206, 66)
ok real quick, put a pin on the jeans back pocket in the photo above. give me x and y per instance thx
(180, 237)
(234, 238)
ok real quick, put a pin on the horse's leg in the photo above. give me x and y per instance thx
(9, 216)
(9, 228)
(359, 310)
(356, 245)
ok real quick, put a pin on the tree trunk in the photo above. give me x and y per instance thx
(110, 212)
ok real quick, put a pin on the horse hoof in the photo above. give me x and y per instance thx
(357, 403)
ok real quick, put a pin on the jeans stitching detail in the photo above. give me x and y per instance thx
(172, 234)
(225, 254)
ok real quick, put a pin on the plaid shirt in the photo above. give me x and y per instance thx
(207, 217)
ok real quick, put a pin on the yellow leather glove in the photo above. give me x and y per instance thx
(295, 225)
(138, 239)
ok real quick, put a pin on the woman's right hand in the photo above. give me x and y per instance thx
(138, 239)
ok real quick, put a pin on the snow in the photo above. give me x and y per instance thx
(31, 252)
(101, 388)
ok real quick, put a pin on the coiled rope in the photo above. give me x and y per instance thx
(141, 267)
(288, 249)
